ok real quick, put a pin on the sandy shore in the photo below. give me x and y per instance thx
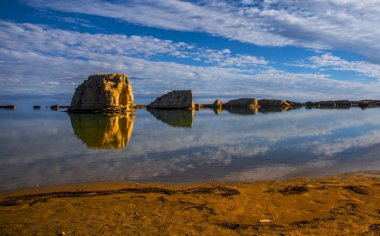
(338, 205)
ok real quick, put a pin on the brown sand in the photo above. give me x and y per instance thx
(341, 205)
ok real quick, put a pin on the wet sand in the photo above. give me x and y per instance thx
(348, 204)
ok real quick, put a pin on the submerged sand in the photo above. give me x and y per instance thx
(348, 204)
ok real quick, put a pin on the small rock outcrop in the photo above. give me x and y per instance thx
(177, 99)
(242, 103)
(9, 107)
(217, 103)
(199, 107)
(328, 104)
(105, 93)
(366, 103)
(54, 107)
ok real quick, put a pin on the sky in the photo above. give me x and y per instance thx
(289, 49)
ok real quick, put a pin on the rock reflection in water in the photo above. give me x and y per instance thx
(103, 131)
(217, 110)
(242, 110)
(277, 109)
(176, 118)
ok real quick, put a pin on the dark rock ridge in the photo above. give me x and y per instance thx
(10, 107)
(270, 105)
(242, 103)
(343, 104)
(278, 103)
(366, 103)
(177, 99)
(103, 93)
(54, 107)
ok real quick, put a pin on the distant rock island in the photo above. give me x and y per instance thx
(112, 93)
(177, 99)
(103, 93)
(10, 107)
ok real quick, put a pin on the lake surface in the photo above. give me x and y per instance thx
(52, 147)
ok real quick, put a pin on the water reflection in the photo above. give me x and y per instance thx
(103, 131)
(217, 110)
(242, 110)
(277, 109)
(175, 118)
(230, 146)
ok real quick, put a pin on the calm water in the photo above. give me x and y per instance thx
(46, 147)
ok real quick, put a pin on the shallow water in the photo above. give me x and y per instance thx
(49, 147)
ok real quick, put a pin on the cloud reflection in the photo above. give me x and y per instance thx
(227, 146)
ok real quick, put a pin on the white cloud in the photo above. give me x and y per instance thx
(176, 15)
(34, 55)
(342, 144)
(336, 63)
(243, 61)
(348, 25)
(18, 37)
(328, 61)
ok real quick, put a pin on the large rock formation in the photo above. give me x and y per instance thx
(103, 131)
(107, 93)
(242, 103)
(177, 99)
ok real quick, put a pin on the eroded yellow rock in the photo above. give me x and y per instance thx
(105, 93)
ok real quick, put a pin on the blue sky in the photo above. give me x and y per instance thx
(300, 50)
